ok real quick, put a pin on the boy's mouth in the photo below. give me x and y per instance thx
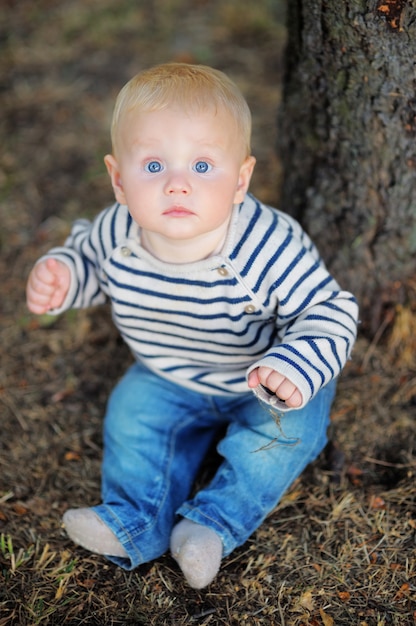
(178, 211)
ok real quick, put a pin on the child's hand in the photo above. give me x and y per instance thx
(277, 384)
(47, 286)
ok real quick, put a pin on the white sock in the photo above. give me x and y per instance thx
(198, 551)
(88, 530)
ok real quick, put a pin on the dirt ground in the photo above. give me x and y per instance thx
(340, 547)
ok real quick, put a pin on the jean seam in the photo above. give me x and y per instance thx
(126, 532)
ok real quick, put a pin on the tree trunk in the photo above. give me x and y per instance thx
(348, 143)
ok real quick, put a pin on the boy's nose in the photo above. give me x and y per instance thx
(177, 183)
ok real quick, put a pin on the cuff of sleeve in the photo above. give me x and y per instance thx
(70, 296)
(267, 396)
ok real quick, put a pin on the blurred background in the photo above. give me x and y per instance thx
(62, 65)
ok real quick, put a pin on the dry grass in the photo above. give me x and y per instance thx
(340, 548)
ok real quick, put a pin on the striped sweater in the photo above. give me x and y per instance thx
(265, 299)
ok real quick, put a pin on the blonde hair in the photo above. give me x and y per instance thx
(190, 87)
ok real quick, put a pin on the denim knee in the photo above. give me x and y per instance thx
(260, 463)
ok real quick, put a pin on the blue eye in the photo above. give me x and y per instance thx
(153, 167)
(202, 167)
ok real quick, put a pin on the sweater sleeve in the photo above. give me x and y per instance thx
(84, 252)
(317, 326)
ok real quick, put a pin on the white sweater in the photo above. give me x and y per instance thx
(265, 299)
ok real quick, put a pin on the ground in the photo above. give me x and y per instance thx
(340, 547)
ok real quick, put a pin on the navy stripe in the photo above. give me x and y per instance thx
(175, 297)
(279, 252)
(301, 356)
(70, 259)
(179, 281)
(164, 333)
(214, 316)
(281, 357)
(340, 311)
(305, 302)
(113, 229)
(124, 318)
(259, 246)
(331, 320)
(283, 277)
(247, 233)
(197, 349)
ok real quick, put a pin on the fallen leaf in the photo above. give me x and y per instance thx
(344, 596)
(61, 589)
(403, 591)
(355, 474)
(292, 496)
(374, 557)
(72, 456)
(354, 471)
(306, 601)
(377, 503)
(327, 619)
(20, 509)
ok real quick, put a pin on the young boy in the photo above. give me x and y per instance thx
(229, 311)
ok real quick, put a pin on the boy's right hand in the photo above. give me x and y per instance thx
(47, 286)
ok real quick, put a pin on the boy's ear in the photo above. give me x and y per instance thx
(246, 170)
(114, 173)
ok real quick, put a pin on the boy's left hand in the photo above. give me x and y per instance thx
(277, 384)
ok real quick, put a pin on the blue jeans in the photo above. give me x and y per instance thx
(156, 434)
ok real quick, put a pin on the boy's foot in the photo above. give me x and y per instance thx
(86, 529)
(198, 551)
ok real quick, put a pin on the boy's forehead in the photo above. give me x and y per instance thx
(209, 125)
(149, 119)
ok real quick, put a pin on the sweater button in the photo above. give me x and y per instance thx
(222, 271)
(125, 251)
(250, 308)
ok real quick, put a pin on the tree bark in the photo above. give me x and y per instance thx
(348, 142)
